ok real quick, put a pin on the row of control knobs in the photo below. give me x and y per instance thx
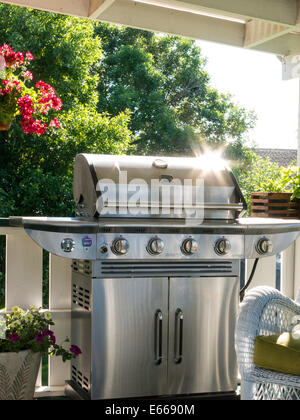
(190, 246)
(156, 246)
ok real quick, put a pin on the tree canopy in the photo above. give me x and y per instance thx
(162, 80)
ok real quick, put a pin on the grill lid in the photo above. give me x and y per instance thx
(139, 186)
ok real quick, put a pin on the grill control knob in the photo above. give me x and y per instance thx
(189, 246)
(222, 246)
(156, 246)
(120, 246)
(67, 245)
(264, 246)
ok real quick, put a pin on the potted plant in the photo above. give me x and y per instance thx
(24, 338)
(284, 202)
(291, 181)
(35, 107)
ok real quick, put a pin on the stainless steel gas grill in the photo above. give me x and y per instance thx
(156, 252)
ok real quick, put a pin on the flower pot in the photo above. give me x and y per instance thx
(18, 375)
(5, 126)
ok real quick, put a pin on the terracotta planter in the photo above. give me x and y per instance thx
(18, 375)
(5, 126)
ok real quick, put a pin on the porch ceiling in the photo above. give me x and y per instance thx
(266, 25)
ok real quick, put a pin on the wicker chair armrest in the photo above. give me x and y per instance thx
(264, 311)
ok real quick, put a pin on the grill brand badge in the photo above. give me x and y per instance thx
(87, 242)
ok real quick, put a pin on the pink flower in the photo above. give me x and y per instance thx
(29, 56)
(28, 75)
(55, 123)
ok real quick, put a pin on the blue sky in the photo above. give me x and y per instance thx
(255, 81)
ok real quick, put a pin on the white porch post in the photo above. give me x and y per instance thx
(291, 70)
(290, 276)
(298, 134)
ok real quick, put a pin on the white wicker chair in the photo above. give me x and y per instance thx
(265, 311)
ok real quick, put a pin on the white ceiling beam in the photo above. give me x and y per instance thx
(282, 12)
(66, 7)
(160, 19)
(285, 45)
(258, 32)
(97, 7)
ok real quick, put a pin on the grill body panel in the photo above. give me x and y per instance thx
(114, 320)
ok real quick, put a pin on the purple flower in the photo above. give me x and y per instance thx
(50, 334)
(39, 337)
(53, 339)
(75, 350)
(14, 337)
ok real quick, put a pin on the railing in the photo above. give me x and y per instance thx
(24, 278)
(24, 287)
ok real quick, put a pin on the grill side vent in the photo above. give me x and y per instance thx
(83, 267)
(80, 379)
(168, 268)
(81, 297)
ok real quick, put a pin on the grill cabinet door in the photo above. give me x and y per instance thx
(129, 336)
(202, 320)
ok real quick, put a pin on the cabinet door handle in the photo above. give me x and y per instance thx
(178, 336)
(158, 337)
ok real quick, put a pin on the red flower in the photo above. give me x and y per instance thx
(44, 88)
(25, 106)
(31, 108)
(11, 58)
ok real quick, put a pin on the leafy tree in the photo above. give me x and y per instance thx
(36, 172)
(163, 82)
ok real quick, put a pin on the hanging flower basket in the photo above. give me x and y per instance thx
(5, 126)
(34, 107)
